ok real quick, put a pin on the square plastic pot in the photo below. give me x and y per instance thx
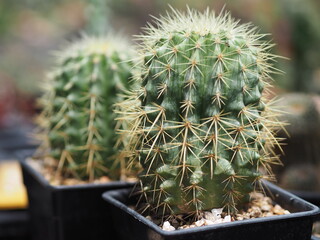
(295, 226)
(14, 138)
(309, 196)
(14, 225)
(66, 212)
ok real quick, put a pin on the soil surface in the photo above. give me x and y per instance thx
(259, 206)
(48, 168)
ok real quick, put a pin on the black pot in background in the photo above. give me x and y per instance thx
(14, 225)
(14, 138)
(13, 222)
(295, 226)
(309, 196)
(66, 212)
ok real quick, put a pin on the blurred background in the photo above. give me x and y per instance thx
(31, 30)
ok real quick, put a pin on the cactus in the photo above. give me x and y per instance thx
(302, 145)
(201, 126)
(301, 112)
(303, 117)
(98, 17)
(301, 177)
(77, 123)
(303, 27)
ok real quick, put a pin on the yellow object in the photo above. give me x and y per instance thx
(13, 194)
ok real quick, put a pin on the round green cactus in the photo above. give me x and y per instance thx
(201, 127)
(77, 122)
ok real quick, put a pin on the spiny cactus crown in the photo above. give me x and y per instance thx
(201, 128)
(77, 122)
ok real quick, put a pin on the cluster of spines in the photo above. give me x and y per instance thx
(77, 123)
(200, 127)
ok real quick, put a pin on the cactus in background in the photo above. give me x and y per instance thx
(302, 113)
(302, 18)
(202, 127)
(301, 177)
(77, 122)
(302, 145)
(98, 17)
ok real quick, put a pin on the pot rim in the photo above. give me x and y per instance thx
(312, 211)
(25, 153)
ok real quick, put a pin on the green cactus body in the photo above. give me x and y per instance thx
(77, 119)
(202, 129)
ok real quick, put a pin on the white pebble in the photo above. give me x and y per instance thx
(167, 226)
(209, 222)
(217, 212)
(200, 222)
(209, 216)
(220, 220)
(214, 215)
(227, 218)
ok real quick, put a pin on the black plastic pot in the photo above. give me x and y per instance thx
(295, 226)
(312, 197)
(66, 212)
(14, 225)
(15, 138)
